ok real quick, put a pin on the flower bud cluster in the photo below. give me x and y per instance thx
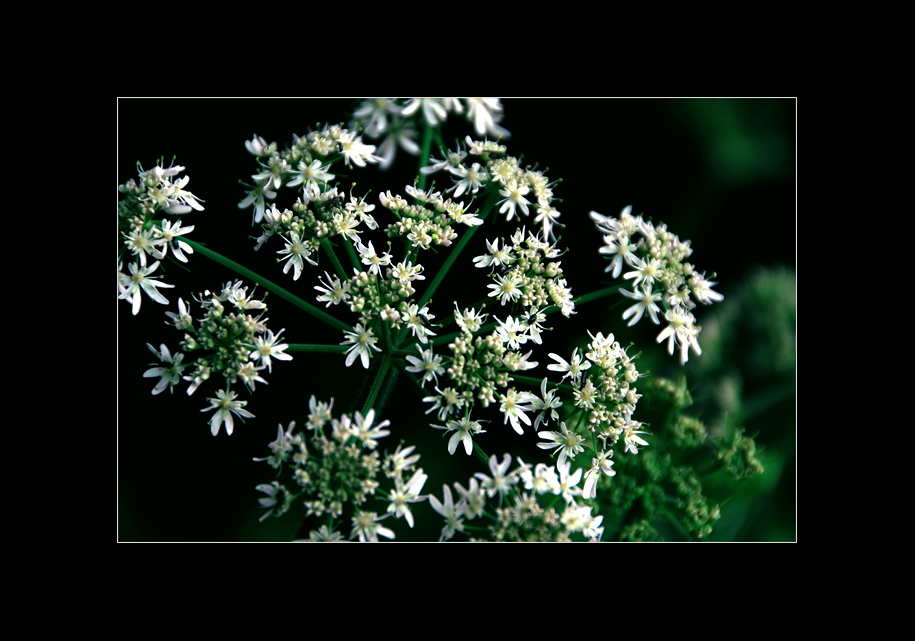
(430, 222)
(660, 274)
(228, 341)
(525, 519)
(527, 273)
(338, 464)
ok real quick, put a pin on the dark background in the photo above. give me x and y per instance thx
(720, 173)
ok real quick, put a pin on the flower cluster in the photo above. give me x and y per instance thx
(523, 271)
(148, 238)
(660, 276)
(522, 189)
(430, 221)
(396, 122)
(335, 463)
(320, 211)
(304, 165)
(525, 519)
(227, 341)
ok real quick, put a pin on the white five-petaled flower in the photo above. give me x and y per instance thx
(512, 332)
(485, 113)
(601, 464)
(167, 237)
(501, 481)
(495, 256)
(464, 431)
(452, 513)
(295, 251)
(226, 405)
(569, 443)
(267, 349)
(546, 404)
(471, 179)
(514, 197)
(405, 493)
(428, 363)
(363, 342)
(515, 410)
(333, 292)
(573, 369)
(682, 330)
(276, 499)
(355, 151)
(366, 432)
(646, 301)
(309, 175)
(568, 483)
(169, 372)
(619, 248)
(507, 288)
(373, 260)
(366, 527)
(137, 280)
(415, 318)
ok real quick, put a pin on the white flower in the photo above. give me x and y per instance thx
(295, 251)
(507, 289)
(501, 481)
(702, 290)
(373, 260)
(514, 196)
(267, 348)
(464, 430)
(170, 375)
(647, 270)
(405, 493)
(169, 234)
(470, 179)
(363, 341)
(495, 256)
(451, 513)
(334, 292)
(546, 405)
(568, 483)
(256, 196)
(573, 369)
(139, 279)
(514, 410)
(257, 146)
(619, 248)
(414, 319)
(226, 405)
(569, 443)
(366, 527)
(309, 175)
(355, 151)
(485, 113)
(428, 363)
(647, 301)
(276, 499)
(366, 432)
(433, 111)
(601, 464)
(447, 401)
(470, 320)
(511, 332)
(631, 438)
(682, 330)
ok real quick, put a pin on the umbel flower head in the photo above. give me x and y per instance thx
(662, 279)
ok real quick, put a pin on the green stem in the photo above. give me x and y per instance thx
(326, 349)
(269, 286)
(377, 384)
(453, 256)
(587, 298)
(329, 250)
